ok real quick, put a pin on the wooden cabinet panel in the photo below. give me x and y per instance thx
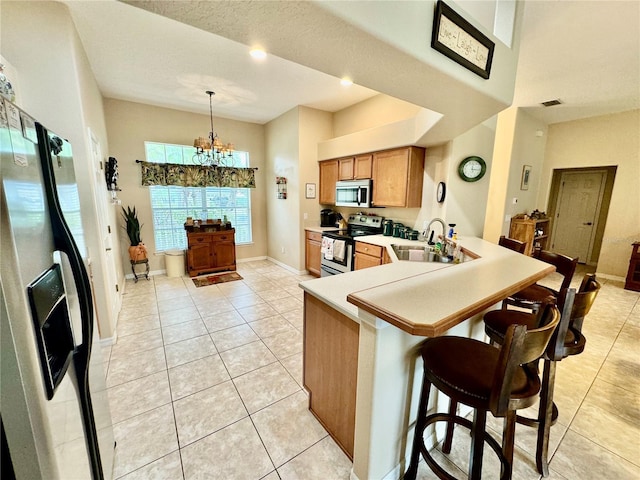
(363, 167)
(368, 255)
(199, 256)
(397, 177)
(328, 178)
(312, 255)
(330, 368)
(533, 232)
(209, 252)
(346, 168)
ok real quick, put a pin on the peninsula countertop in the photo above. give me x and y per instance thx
(427, 299)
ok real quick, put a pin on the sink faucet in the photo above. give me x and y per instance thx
(428, 230)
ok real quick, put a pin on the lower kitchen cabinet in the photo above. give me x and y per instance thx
(209, 252)
(330, 369)
(368, 255)
(312, 254)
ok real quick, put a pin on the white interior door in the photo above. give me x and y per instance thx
(577, 213)
(106, 235)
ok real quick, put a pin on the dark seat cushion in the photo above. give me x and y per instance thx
(463, 369)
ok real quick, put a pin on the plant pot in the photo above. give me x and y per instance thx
(138, 253)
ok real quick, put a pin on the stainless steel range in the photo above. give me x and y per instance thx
(338, 247)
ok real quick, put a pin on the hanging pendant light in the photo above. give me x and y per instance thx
(211, 152)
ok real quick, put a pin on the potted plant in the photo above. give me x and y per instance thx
(137, 250)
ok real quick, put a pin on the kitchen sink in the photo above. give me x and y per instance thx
(419, 253)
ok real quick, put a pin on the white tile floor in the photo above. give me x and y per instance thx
(206, 383)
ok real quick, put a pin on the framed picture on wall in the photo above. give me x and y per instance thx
(526, 173)
(310, 190)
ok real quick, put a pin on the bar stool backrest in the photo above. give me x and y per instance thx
(565, 266)
(520, 347)
(574, 306)
(512, 244)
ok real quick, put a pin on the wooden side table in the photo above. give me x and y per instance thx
(633, 275)
(144, 262)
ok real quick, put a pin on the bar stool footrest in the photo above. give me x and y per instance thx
(446, 417)
(534, 422)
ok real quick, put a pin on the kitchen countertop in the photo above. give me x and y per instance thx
(427, 299)
(322, 229)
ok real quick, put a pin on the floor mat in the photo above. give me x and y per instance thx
(219, 278)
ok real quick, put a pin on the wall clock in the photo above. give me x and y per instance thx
(441, 192)
(472, 169)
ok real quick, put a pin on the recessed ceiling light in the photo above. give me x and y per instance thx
(346, 82)
(258, 53)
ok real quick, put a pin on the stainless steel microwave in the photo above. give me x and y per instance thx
(353, 193)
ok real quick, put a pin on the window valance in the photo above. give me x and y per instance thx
(196, 175)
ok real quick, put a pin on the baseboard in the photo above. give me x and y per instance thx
(252, 259)
(287, 267)
(615, 278)
(129, 276)
(107, 342)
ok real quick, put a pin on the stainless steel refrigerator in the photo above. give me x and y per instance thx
(53, 400)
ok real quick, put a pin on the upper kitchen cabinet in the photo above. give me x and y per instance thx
(329, 171)
(356, 168)
(397, 177)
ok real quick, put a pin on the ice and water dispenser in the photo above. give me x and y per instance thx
(52, 324)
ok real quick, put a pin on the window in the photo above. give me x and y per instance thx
(172, 205)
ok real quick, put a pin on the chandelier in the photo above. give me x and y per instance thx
(211, 152)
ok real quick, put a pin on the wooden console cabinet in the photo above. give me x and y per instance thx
(533, 232)
(312, 254)
(633, 275)
(210, 251)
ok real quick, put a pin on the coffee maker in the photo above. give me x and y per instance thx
(327, 218)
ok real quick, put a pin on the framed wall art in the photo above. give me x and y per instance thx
(310, 190)
(456, 38)
(526, 174)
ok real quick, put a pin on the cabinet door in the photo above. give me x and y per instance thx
(346, 168)
(328, 179)
(397, 177)
(312, 254)
(224, 248)
(199, 256)
(365, 261)
(225, 255)
(363, 167)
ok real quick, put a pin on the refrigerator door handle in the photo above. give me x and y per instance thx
(63, 240)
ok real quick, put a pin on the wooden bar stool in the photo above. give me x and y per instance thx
(535, 295)
(568, 340)
(512, 244)
(486, 378)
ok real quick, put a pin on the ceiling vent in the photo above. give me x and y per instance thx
(551, 103)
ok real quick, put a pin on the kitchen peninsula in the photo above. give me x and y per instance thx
(362, 333)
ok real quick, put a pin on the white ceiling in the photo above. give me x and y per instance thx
(587, 54)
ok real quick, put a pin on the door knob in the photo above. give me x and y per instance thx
(588, 223)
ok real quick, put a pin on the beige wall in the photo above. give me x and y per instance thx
(131, 124)
(40, 37)
(609, 140)
(520, 140)
(282, 145)
(373, 112)
(291, 151)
